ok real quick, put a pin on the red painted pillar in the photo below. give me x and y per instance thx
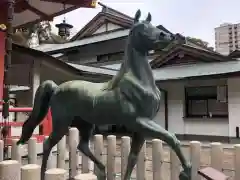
(47, 124)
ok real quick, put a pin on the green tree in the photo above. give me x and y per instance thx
(200, 42)
(36, 34)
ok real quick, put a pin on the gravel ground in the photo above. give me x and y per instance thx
(228, 167)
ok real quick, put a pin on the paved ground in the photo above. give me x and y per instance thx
(205, 159)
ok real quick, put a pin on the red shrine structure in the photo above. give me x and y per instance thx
(16, 14)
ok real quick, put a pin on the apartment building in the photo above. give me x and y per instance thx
(227, 38)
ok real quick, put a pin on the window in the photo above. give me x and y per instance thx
(204, 102)
(110, 57)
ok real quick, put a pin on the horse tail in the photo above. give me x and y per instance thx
(40, 109)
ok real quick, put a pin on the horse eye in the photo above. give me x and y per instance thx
(162, 34)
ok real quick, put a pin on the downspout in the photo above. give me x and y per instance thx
(165, 107)
(6, 79)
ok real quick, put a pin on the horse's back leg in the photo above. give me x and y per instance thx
(136, 145)
(85, 132)
(151, 129)
(56, 135)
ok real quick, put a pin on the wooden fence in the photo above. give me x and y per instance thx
(157, 150)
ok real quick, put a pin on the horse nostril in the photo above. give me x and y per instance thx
(161, 35)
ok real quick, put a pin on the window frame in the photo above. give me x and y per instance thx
(205, 98)
(103, 56)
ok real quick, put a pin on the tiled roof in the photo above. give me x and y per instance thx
(196, 70)
(57, 63)
(85, 41)
(173, 49)
(178, 72)
(93, 69)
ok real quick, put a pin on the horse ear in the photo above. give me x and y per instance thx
(149, 17)
(137, 16)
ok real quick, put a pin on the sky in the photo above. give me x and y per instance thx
(195, 18)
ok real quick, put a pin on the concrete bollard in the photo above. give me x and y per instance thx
(15, 151)
(10, 170)
(98, 150)
(61, 149)
(125, 149)
(111, 157)
(237, 161)
(30, 172)
(32, 151)
(216, 152)
(55, 174)
(87, 176)
(50, 161)
(157, 159)
(1, 150)
(141, 163)
(195, 157)
(73, 154)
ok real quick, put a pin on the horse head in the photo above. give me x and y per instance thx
(144, 35)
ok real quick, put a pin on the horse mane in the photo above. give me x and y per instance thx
(116, 79)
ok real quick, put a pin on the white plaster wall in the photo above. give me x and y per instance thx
(111, 26)
(208, 126)
(107, 27)
(176, 111)
(17, 131)
(89, 53)
(175, 107)
(101, 29)
(233, 105)
(160, 117)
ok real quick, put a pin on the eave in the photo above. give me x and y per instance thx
(181, 49)
(99, 20)
(31, 12)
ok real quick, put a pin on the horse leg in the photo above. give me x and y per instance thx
(85, 132)
(136, 145)
(52, 140)
(152, 129)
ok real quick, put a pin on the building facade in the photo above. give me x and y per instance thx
(227, 38)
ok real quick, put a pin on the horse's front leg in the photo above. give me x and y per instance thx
(136, 145)
(152, 129)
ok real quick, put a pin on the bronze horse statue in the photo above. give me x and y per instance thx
(131, 99)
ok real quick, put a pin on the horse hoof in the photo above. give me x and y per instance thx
(102, 177)
(185, 174)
